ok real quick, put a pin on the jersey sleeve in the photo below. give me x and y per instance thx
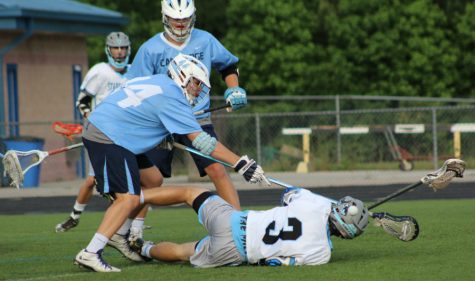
(142, 64)
(221, 58)
(92, 82)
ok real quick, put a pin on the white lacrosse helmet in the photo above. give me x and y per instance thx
(349, 224)
(182, 69)
(117, 39)
(178, 10)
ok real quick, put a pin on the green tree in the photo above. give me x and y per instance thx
(274, 44)
(465, 38)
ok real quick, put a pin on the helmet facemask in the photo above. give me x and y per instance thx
(117, 40)
(347, 224)
(178, 18)
(192, 76)
(179, 29)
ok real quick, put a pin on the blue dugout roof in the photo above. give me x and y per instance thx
(65, 16)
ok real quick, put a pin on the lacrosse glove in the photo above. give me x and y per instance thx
(236, 97)
(251, 172)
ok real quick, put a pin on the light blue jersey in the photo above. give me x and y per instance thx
(142, 113)
(154, 56)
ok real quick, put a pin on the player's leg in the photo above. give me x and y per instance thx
(216, 172)
(82, 199)
(118, 177)
(150, 177)
(224, 186)
(169, 251)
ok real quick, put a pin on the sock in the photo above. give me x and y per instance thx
(77, 210)
(97, 243)
(146, 250)
(124, 229)
(137, 225)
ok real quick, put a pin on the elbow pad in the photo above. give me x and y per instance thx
(205, 143)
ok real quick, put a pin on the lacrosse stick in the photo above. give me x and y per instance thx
(436, 180)
(404, 228)
(67, 130)
(212, 109)
(17, 163)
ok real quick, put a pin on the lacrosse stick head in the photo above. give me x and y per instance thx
(13, 169)
(349, 216)
(67, 130)
(441, 178)
(404, 228)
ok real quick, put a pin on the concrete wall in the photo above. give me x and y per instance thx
(45, 90)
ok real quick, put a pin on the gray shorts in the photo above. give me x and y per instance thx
(218, 248)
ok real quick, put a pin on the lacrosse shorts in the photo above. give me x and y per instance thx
(119, 174)
(162, 158)
(142, 160)
(219, 247)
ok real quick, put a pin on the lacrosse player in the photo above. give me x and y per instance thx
(297, 233)
(135, 119)
(101, 80)
(153, 57)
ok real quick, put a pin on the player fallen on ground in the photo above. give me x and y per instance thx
(153, 57)
(135, 119)
(297, 233)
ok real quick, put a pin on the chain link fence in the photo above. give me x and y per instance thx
(403, 138)
(341, 136)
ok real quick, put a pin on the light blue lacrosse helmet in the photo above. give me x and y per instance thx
(182, 69)
(117, 39)
(349, 225)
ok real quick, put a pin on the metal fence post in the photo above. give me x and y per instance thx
(338, 124)
(258, 137)
(435, 152)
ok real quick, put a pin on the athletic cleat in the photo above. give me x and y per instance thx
(67, 225)
(94, 262)
(138, 244)
(121, 244)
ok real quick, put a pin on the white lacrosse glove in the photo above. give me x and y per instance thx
(236, 97)
(251, 172)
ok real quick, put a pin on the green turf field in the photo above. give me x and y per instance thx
(445, 249)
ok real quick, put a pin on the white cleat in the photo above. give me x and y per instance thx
(94, 262)
(121, 244)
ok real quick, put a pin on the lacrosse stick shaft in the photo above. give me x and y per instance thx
(212, 109)
(393, 195)
(191, 150)
(63, 149)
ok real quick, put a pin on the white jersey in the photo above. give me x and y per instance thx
(298, 230)
(100, 81)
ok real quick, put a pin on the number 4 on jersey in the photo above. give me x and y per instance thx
(137, 93)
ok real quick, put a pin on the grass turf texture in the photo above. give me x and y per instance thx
(445, 249)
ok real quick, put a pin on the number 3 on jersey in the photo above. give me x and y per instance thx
(291, 231)
(137, 93)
